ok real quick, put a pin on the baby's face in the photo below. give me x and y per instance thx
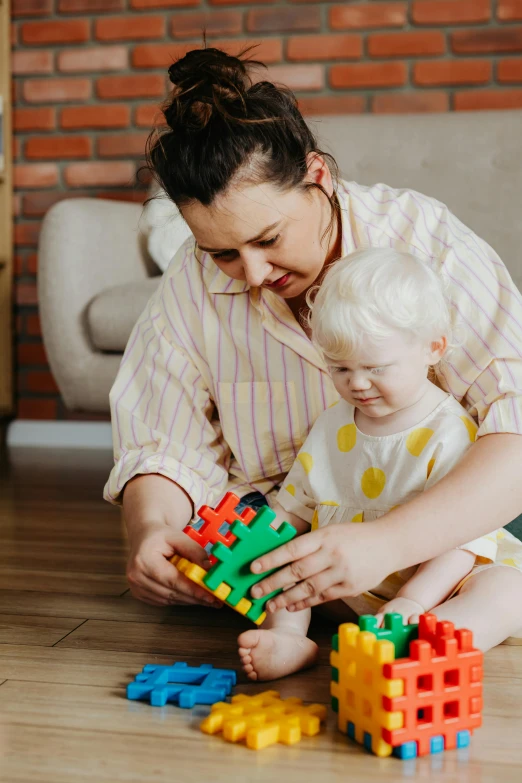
(386, 376)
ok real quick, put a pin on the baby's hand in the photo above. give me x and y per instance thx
(409, 609)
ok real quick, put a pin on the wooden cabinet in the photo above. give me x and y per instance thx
(6, 220)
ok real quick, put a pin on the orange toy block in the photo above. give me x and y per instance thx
(225, 511)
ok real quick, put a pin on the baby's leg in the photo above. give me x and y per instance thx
(279, 648)
(489, 604)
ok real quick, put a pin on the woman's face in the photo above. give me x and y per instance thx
(268, 238)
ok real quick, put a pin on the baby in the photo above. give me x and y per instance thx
(381, 321)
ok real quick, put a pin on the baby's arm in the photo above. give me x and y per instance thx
(431, 584)
(286, 516)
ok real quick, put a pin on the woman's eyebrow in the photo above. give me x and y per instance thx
(254, 239)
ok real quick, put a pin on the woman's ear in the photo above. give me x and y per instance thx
(437, 350)
(318, 172)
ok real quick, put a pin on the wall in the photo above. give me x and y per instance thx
(88, 75)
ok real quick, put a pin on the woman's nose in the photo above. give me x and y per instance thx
(256, 271)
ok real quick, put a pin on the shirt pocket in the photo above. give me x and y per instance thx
(260, 423)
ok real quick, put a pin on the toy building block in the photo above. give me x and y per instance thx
(225, 511)
(264, 720)
(182, 684)
(424, 702)
(230, 578)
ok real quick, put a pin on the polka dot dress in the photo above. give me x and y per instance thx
(343, 475)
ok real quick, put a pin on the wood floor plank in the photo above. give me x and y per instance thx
(41, 631)
(60, 582)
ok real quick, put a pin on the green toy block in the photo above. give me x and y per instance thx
(394, 630)
(335, 642)
(233, 566)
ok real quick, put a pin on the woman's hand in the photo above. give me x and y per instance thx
(333, 562)
(153, 578)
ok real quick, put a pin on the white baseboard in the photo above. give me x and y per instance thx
(60, 434)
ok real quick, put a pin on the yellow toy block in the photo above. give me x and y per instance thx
(196, 574)
(264, 720)
(361, 685)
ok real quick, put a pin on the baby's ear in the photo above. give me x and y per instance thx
(437, 350)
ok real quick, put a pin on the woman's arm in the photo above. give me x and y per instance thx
(481, 493)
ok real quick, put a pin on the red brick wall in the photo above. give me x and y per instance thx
(88, 75)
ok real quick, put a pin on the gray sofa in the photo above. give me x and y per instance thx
(96, 274)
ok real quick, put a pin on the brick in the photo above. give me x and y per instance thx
(16, 210)
(140, 5)
(17, 147)
(36, 204)
(89, 6)
(31, 8)
(296, 77)
(55, 32)
(35, 175)
(450, 12)
(408, 44)
(26, 234)
(509, 70)
(332, 104)
(31, 264)
(27, 62)
(283, 18)
(26, 264)
(43, 409)
(214, 23)
(159, 55)
(34, 119)
(134, 196)
(324, 47)
(478, 100)
(56, 90)
(129, 28)
(268, 50)
(148, 115)
(106, 58)
(438, 72)
(368, 75)
(26, 294)
(33, 326)
(410, 103)
(245, 2)
(137, 85)
(99, 173)
(487, 41)
(58, 147)
(40, 381)
(122, 145)
(509, 10)
(367, 15)
(109, 116)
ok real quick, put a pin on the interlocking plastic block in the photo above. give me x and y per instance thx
(182, 684)
(233, 567)
(225, 511)
(196, 574)
(425, 702)
(264, 720)
(394, 631)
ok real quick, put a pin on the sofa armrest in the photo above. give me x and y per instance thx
(86, 245)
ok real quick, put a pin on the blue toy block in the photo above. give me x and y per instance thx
(437, 744)
(408, 750)
(368, 741)
(463, 738)
(351, 730)
(181, 684)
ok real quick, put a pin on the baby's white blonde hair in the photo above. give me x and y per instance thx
(372, 292)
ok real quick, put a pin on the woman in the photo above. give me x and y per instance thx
(220, 384)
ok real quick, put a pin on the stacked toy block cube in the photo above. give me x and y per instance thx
(407, 690)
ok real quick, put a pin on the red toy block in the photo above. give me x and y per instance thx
(442, 686)
(225, 511)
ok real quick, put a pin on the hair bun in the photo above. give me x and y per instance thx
(204, 80)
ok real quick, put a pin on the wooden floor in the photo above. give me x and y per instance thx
(71, 638)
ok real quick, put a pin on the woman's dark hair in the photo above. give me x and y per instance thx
(219, 121)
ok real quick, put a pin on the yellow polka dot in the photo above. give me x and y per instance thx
(291, 489)
(509, 561)
(328, 503)
(315, 520)
(358, 517)
(418, 439)
(346, 437)
(397, 506)
(306, 461)
(471, 428)
(431, 465)
(500, 534)
(372, 482)
(333, 403)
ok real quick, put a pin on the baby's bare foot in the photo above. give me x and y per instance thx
(267, 655)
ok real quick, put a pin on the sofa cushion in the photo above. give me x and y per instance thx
(112, 314)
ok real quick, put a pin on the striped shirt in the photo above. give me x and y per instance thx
(219, 384)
